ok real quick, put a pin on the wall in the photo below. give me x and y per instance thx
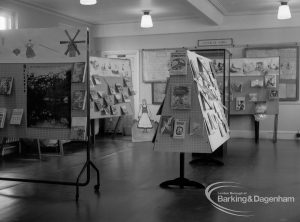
(289, 117)
(32, 17)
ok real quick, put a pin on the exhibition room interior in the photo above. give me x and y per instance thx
(149, 110)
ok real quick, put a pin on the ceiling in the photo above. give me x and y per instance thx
(252, 7)
(126, 11)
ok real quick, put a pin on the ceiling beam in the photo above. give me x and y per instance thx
(209, 10)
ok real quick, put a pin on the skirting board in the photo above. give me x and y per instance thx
(283, 135)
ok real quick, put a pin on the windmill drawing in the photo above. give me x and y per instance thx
(72, 49)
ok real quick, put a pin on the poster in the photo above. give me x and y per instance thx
(181, 96)
(49, 95)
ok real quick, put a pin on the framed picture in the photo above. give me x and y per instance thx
(158, 92)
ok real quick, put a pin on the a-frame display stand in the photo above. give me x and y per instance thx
(192, 115)
(44, 49)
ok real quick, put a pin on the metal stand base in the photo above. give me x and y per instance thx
(207, 161)
(181, 182)
(87, 166)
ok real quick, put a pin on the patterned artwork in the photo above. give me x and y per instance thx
(48, 96)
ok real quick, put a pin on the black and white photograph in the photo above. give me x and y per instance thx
(149, 110)
(49, 96)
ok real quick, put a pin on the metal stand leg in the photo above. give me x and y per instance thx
(256, 128)
(116, 127)
(97, 186)
(275, 128)
(181, 181)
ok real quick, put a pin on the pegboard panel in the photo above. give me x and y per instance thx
(191, 144)
(203, 142)
(103, 87)
(245, 70)
(18, 99)
(109, 77)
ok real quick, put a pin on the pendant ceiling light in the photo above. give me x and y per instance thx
(146, 21)
(88, 2)
(284, 11)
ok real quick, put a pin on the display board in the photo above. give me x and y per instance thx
(289, 68)
(254, 86)
(47, 94)
(156, 64)
(110, 87)
(192, 115)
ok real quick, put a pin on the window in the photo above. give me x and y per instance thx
(3, 23)
(8, 19)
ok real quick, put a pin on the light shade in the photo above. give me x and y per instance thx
(88, 2)
(146, 21)
(284, 11)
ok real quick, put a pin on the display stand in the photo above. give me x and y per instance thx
(37, 53)
(192, 115)
(221, 62)
(256, 129)
(111, 78)
(256, 81)
(181, 181)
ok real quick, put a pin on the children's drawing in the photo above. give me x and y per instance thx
(144, 115)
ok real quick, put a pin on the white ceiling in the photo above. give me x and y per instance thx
(119, 11)
(252, 7)
(126, 11)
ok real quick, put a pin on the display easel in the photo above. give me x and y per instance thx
(111, 71)
(204, 141)
(263, 92)
(221, 60)
(15, 63)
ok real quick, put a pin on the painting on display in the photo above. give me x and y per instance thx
(49, 96)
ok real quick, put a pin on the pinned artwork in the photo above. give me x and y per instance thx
(124, 110)
(111, 90)
(273, 94)
(167, 125)
(240, 104)
(260, 107)
(270, 81)
(79, 71)
(181, 96)
(94, 95)
(29, 49)
(252, 97)
(178, 63)
(97, 80)
(257, 83)
(72, 49)
(78, 99)
(144, 117)
(126, 98)
(48, 96)
(114, 110)
(119, 98)
(119, 88)
(237, 87)
(179, 129)
(6, 84)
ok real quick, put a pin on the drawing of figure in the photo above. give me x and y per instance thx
(144, 115)
(29, 50)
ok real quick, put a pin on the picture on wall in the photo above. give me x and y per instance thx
(270, 81)
(240, 104)
(158, 92)
(181, 96)
(49, 96)
(6, 85)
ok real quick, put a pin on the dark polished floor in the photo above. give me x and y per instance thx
(130, 175)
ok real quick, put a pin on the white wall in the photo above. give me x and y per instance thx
(289, 117)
